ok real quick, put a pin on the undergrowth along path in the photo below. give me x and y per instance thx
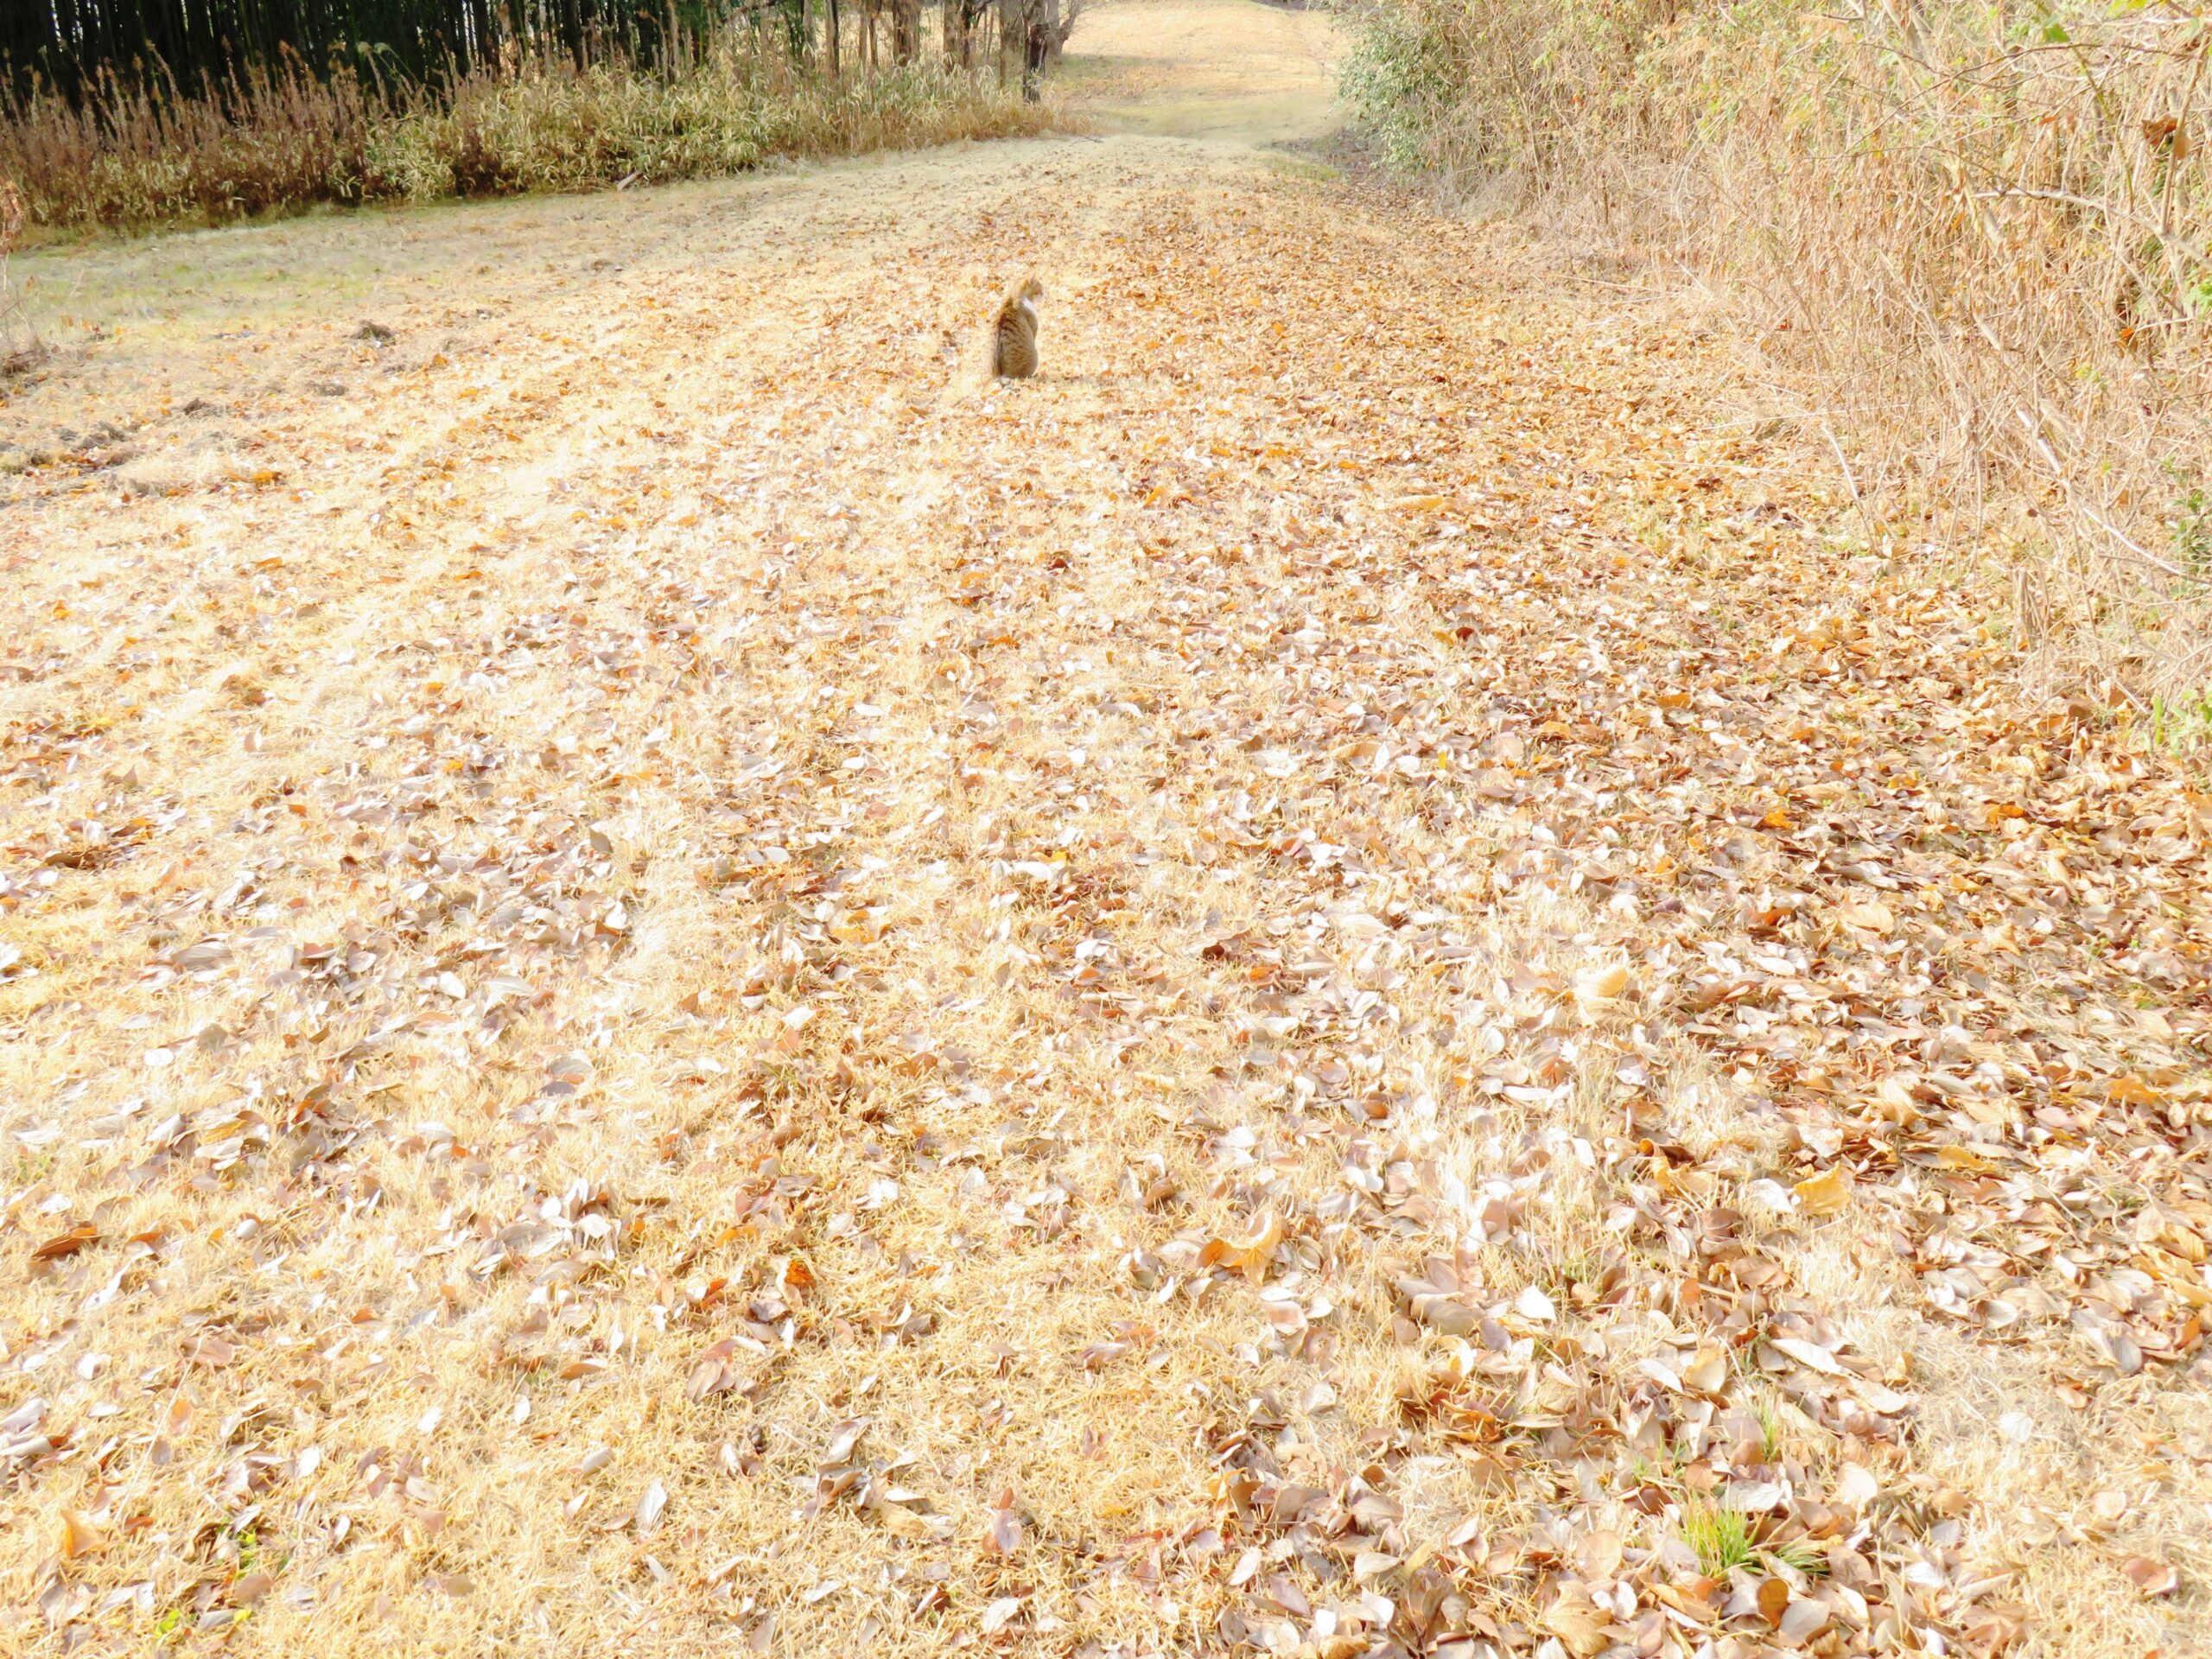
(1335, 980)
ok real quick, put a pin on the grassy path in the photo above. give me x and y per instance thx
(675, 979)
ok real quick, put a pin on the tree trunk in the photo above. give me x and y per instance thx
(1020, 27)
(1036, 43)
(836, 23)
(483, 52)
(572, 30)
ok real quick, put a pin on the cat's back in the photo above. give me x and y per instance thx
(1015, 354)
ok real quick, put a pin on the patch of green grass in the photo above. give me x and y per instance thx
(1571, 1269)
(1770, 1429)
(1799, 1555)
(2192, 524)
(2179, 725)
(1719, 1535)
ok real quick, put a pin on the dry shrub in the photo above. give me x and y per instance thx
(141, 151)
(1967, 244)
(21, 349)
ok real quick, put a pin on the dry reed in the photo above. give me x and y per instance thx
(278, 138)
(1967, 245)
(20, 347)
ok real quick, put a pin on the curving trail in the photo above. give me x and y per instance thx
(675, 979)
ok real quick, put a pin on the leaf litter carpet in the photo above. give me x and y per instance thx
(1335, 982)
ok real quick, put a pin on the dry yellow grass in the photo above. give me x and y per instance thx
(680, 979)
(1962, 249)
(283, 140)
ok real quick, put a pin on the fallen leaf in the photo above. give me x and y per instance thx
(1368, 1565)
(1003, 1528)
(1708, 1371)
(1806, 1353)
(2152, 1576)
(1965, 1158)
(1597, 1554)
(1774, 1601)
(66, 1244)
(1577, 1622)
(1825, 1194)
(79, 1536)
(1867, 916)
(1535, 1306)
(1595, 987)
(1249, 1255)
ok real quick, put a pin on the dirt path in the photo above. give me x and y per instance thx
(673, 978)
(1257, 75)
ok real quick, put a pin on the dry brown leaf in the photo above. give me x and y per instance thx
(1002, 1528)
(1708, 1370)
(1867, 916)
(66, 1244)
(1774, 1601)
(80, 1536)
(1807, 1353)
(1580, 1626)
(1597, 1554)
(1595, 988)
(1827, 1194)
(2152, 1576)
(1250, 1255)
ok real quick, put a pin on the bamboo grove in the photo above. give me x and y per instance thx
(73, 48)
